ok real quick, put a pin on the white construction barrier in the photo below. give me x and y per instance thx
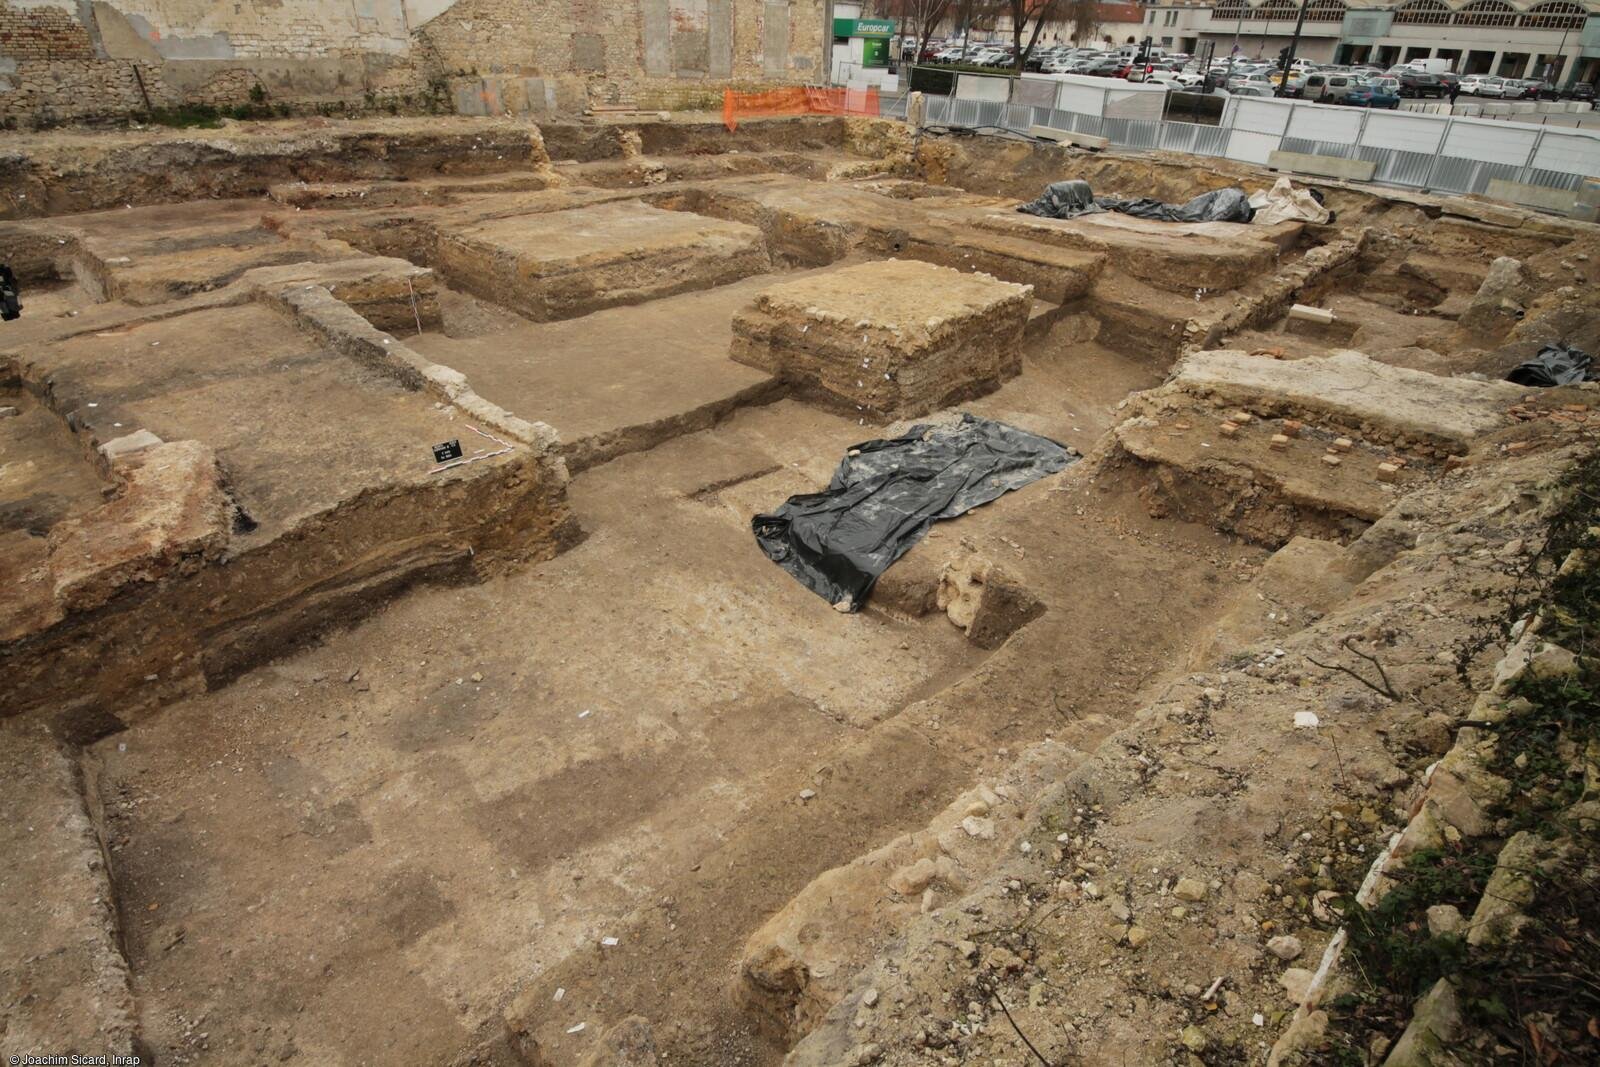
(1542, 157)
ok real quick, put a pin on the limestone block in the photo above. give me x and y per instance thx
(1510, 888)
(1435, 1025)
(986, 601)
(889, 339)
(562, 264)
(1500, 300)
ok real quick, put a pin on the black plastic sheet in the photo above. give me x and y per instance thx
(1063, 200)
(1219, 205)
(887, 493)
(10, 305)
(1554, 365)
(1069, 199)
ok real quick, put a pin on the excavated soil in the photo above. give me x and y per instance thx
(339, 753)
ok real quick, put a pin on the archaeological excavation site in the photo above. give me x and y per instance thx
(616, 590)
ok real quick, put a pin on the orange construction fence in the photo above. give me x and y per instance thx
(798, 100)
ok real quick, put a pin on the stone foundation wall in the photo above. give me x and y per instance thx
(61, 61)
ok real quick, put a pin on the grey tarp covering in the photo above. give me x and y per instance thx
(887, 493)
(1554, 365)
(1069, 199)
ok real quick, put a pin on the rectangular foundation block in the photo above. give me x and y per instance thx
(562, 264)
(887, 340)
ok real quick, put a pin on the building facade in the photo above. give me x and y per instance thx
(64, 60)
(1555, 39)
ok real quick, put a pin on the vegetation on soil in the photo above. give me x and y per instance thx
(1534, 999)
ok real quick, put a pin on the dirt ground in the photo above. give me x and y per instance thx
(503, 761)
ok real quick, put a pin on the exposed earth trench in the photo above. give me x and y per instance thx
(319, 751)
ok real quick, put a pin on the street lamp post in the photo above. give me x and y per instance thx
(1288, 54)
(1233, 56)
(1561, 53)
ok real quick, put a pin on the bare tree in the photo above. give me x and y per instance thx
(1022, 12)
(921, 17)
(970, 13)
(1082, 18)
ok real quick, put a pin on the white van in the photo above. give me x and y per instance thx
(1328, 88)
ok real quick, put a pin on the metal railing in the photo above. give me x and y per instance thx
(1434, 169)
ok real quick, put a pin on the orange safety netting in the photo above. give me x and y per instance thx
(797, 101)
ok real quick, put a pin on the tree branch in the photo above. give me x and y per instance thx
(1386, 689)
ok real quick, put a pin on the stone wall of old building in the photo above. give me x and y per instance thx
(68, 60)
(648, 53)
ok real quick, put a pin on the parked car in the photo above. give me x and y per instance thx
(1250, 81)
(1534, 89)
(1296, 81)
(1579, 91)
(1483, 85)
(1371, 94)
(1328, 88)
(1254, 90)
(1416, 83)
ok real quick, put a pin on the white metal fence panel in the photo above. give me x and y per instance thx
(1417, 150)
(1320, 122)
(1249, 147)
(1138, 102)
(983, 87)
(1036, 92)
(1193, 138)
(1083, 99)
(1572, 153)
(1396, 167)
(1403, 132)
(1489, 142)
(1258, 115)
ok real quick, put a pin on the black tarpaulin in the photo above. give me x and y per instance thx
(1220, 205)
(1063, 200)
(1554, 365)
(1069, 199)
(10, 305)
(885, 495)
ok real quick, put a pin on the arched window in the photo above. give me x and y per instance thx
(1270, 10)
(1325, 11)
(1422, 13)
(1229, 11)
(1556, 15)
(1487, 13)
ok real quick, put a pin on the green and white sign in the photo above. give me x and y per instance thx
(863, 27)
